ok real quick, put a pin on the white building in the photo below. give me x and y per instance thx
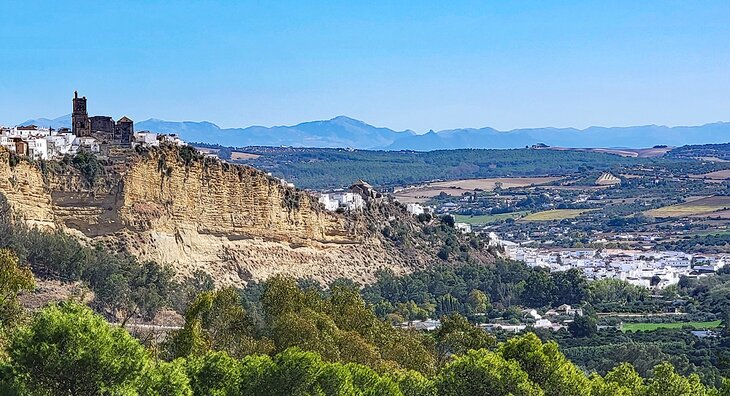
(38, 148)
(345, 200)
(641, 268)
(35, 142)
(465, 228)
(171, 139)
(146, 139)
(85, 143)
(414, 209)
(328, 203)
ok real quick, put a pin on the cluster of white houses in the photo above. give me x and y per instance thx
(650, 269)
(39, 143)
(95, 134)
(47, 143)
(552, 319)
(354, 198)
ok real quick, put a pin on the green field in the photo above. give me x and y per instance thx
(698, 207)
(676, 325)
(555, 214)
(711, 233)
(488, 219)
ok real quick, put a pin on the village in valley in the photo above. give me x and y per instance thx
(627, 223)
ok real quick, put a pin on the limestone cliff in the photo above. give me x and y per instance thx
(233, 222)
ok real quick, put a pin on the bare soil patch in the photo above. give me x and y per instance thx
(459, 187)
(239, 155)
(717, 175)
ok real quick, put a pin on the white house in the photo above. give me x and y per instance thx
(414, 209)
(38, 148)
(465, 228)
(146, 139)
(87, 143)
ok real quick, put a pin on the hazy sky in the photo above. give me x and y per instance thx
(401, 64)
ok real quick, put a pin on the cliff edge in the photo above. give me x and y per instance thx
(234, 222)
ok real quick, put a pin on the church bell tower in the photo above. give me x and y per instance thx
(80, 117)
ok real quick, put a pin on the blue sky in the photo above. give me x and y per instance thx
(419, 65)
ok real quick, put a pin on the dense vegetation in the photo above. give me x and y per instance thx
(336, 168)
(500, 292)
(718, 151)
(480, 292)
(342, 325)
(286, 336)
(123, 286)
(310, 345)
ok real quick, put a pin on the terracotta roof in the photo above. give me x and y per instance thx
(124, 119)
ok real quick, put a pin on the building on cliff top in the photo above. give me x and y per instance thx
(36, 142)
(97, 134)
(103, 128)
(345, 200)
(365, 190)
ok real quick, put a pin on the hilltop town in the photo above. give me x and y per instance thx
(96, 134)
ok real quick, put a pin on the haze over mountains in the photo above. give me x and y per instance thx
(347, 132)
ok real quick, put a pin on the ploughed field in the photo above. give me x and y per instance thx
(239, 155)
(555, 214)
(703, 207)
(716, 175)
(424, 192)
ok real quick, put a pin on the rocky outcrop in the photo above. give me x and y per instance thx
(194, 213)
(24, 187)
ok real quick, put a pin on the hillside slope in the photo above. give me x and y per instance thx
(234, 222)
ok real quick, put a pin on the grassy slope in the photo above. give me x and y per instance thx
(676, 325)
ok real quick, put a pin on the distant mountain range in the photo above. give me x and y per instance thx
(60, 122)
(347, 132)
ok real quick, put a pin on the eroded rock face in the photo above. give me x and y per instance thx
(26, 191)
(233, 222)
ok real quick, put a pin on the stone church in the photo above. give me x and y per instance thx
(103, 128)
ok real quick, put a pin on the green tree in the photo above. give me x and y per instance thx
(368, 382)
(571, 287)
(68, 350)
(600, 387)
(217, 320)
(13, 280)
(413, 383)
(583, 326)
(257, 375)
(187, 290)
(166, 379)
(297, 373)
(545, 365)
(615, 290)
(485, 373)
(457, 336)
(625, 375)
(89, 167)
(667, 382)
(214, 373)
(125, 288)
(539, 289)
(478, 302)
